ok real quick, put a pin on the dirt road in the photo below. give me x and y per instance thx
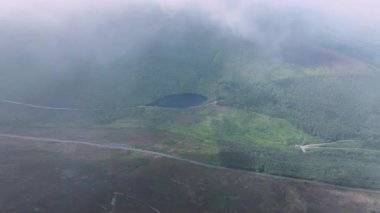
(206, 165)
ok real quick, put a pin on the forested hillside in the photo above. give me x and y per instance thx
(267, 91)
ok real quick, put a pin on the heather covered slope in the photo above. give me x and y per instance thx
(78, 178)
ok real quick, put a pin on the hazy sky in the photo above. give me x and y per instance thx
(359, 16)
(360, 9)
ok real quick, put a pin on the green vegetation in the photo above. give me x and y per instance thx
(309, 90)
(239, 126)
(257, 142)
(333, 108)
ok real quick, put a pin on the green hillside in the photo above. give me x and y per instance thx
(265, 97)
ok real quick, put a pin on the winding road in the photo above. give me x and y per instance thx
(112, 146)
(39, 106)
(206, 165)
(305, 148)
(125, 147)
(43, 107)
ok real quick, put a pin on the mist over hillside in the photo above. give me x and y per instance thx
(118, 53)
(284, 62)
(108, 91)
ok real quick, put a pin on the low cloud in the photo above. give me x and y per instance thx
(351, 11)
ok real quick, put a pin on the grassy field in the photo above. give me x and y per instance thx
(239, 126)
(252, 141)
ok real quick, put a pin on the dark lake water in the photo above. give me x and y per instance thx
(184, 100)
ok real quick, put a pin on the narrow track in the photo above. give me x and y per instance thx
(43, 107)
(39, 106)
(305, 148)
(206, 165)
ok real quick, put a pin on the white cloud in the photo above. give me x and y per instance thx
(358, 16)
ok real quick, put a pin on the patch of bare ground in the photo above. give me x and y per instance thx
(222, 109)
